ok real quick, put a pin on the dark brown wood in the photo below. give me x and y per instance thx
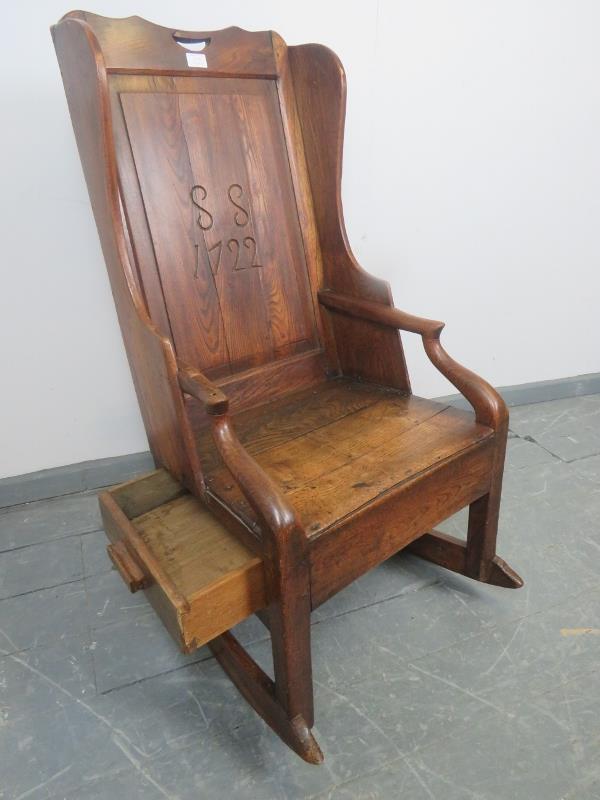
(260, 691)
(285, 548)
(395, 519)
(337, 457)
(489, 407)
(381, 314)
(199, 387)
(133, 45)
(268, 364)
(451, 553)
(231, 224)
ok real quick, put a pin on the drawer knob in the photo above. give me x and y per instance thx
(127, 567)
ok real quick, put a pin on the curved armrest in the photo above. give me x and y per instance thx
(199, 386)
(259, 490)
(377, 312)
(276, 514)
(490, 408)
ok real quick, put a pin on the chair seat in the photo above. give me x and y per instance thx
(337, 447)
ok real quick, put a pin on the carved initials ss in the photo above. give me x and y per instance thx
(205, 219)
(239, 219)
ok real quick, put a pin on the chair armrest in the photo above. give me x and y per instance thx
(259, 490)
(276, 514)
(379, 313)
(490, 409)
(199, 386)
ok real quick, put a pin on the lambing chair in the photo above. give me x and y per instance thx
(291, 455)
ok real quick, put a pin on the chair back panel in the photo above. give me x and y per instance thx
(213, 196)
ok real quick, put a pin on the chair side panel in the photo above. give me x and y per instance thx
(365, 350)
(150, 358)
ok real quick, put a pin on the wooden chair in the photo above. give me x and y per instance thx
(268, 364)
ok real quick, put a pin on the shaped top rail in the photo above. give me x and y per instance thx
(133, 44)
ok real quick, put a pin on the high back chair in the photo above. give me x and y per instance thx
(292, 456)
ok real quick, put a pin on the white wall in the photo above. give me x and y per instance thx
(472, 183)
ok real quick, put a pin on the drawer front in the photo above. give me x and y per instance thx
(199, 578)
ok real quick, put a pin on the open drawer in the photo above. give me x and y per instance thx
(199, 578)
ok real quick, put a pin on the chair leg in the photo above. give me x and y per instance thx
(289, 624)
(285, 704)
(482, 529)
(481, 561)
(481, 537)
(477, 558)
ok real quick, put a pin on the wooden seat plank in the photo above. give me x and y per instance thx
(324, 503)
(352, 429)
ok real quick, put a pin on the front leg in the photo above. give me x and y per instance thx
(481, 560)
(286, 703)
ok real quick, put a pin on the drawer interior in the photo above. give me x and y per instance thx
(199, 577)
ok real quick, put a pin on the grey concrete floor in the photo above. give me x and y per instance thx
(428, 686)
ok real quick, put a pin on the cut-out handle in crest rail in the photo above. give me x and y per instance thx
(194, 47)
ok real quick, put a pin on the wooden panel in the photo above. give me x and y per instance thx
(143, 257)
(260, 385)
(385, 457)
(336, 449)
(199, 577)
(150, 357)
(368, 351)
(290, 416)
(303, 191)
(397, 518)
(134, 44)
(218, 197)
(146, 492)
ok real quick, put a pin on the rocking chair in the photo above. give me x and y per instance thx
(291, 455)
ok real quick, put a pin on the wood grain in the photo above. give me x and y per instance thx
(222, 311)
(194, 551)
(395, 518)
(337, 448)
(201, 579)
(451, 553)
(134, 45)
(364, 350)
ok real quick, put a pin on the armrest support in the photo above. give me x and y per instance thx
(490, 409)
(276, 514)
(199, 386)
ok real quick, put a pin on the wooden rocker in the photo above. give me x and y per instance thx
(292, 457)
